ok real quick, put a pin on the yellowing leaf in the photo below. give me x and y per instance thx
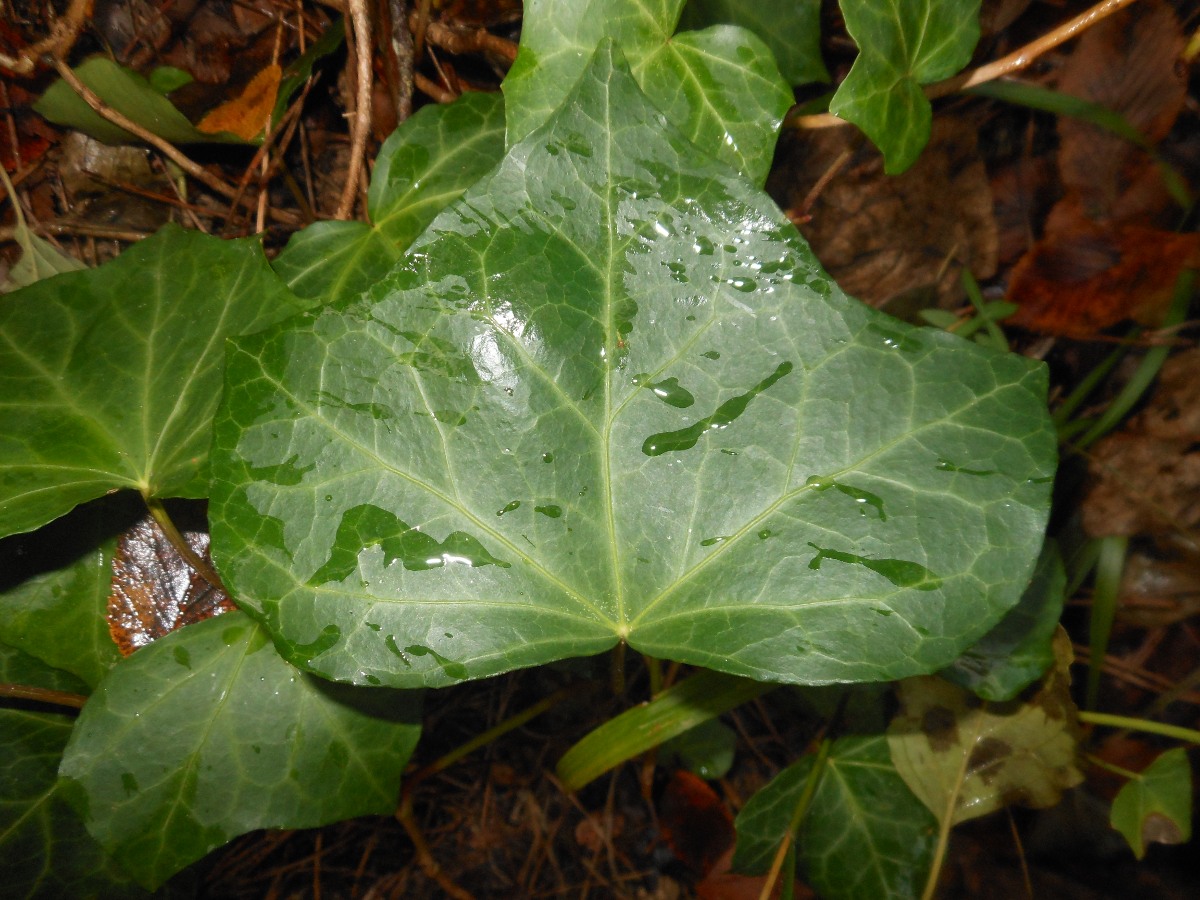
(246, 114)
(965, 757)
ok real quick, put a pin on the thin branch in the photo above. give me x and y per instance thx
(360, 16)
(1006, 65)
(42, 695)
(166, 148)
(57, 44)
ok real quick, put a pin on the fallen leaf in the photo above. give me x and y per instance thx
(1146, 478)
(695, 822)
(154, 591)
(965, 757)
(246, 114)
(880, 235)
(1081, 281)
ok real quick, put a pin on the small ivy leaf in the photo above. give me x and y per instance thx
(154, 590)
(109, 377)
(206, 734)
(47, 852)
(865, 834)
(966, 758)
(610, 395)
(1155, 806)
(902, 44)
(422, 167)
(791, 28)
(720, 87)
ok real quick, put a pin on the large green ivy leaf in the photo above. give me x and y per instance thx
(902, 44)
(1020, 648)
(424, 165)
(611, 395)
(865, 833)
(791, 28)
(719, 86)
(109, 377)
(206, 734)
(44, 850)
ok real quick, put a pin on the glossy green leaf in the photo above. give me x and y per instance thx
(1156, 806)
(865, 834)
(1019, 649)
(54, 591)
(206, 734)
(425, 165)
(902, 45)
(672, 713)
(790, 28)
(131, 95)
(44, 850)
(109, 377)
(966, 758)
(719, 86)
(611, 395)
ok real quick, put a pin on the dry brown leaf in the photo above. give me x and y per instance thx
(246, 114)
(1146, 478)
(1129, 63)
(154, 591)
(695, 822)
(883, 236)
(1080, 281)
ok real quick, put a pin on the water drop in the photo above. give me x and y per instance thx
(550, 511)
(712, 541)
(711, 354)
(765, 533)
(944, 465)
(509, 507)
(900, 572)
(547, 457)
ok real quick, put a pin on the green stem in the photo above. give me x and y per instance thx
(179, 542)
(481, 740)
(1190, 735)
(42, 695)
(1109, 767)
(787, 845)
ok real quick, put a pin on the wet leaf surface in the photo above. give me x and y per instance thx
(966, 758)
(426, 163)
(791, 28)
(469, 470)
(1019, 649)
(207, 734)
(109, 377)
(719, 86)
(154, 590)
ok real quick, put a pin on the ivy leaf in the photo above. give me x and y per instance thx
(611, 395)
(719, 86)
(54, 586)
(47, 853)
(865, 834)
(902, 44)
(206, 734)
(790, 28)
(1155, 806)
(422, 167)
(1020, 648)
(965, 758)
(109, 377)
